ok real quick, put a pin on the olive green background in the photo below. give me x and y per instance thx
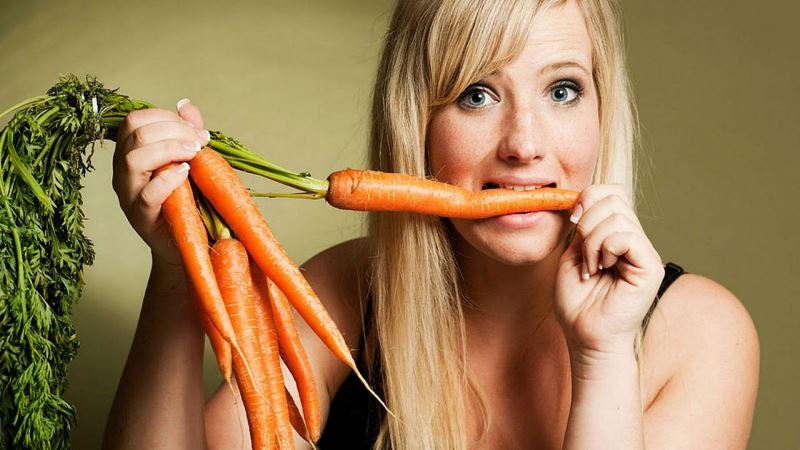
(717, 87)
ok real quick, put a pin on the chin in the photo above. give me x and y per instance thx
(511, 246)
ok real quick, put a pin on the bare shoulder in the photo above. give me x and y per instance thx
(337, 275)
(697, 315)
(701, 360)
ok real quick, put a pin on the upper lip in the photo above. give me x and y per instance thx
(519, 181)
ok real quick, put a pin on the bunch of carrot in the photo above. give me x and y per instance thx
(239, 285)
(44, 153)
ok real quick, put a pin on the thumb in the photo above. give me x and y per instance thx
(190, 113)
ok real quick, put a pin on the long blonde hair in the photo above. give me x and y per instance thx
(433, 50)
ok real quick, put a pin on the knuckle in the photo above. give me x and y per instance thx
(129, 161)
(583, 228)
(138, 138)
(619, 220)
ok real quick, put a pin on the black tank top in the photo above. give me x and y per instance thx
(355, 416)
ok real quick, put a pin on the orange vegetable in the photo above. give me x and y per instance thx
(272, 361)
(191, 238)
(232, 270)
(222, 187)
(291, 350)
(222, 350)
(368, 190)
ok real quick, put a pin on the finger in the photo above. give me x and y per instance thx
(595, 237)
(634, 247)
(190, 113)
(148, 204)
(161, 131)
(138, 165)
(604, 208)
(596, 192)
(142, 117)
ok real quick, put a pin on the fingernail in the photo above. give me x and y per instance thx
(204, 135)
(182, 167)
(584, 271)
(576, 214)
(194, 146)
(181, 103)
(600, 267)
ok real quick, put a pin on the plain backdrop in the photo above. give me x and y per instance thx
(716, 84)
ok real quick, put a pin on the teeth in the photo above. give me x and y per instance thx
(520, 188)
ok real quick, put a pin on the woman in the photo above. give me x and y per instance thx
(521, 331)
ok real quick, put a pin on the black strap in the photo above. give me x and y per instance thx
(671, 273)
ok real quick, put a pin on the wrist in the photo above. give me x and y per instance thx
(169, 291)
(594, 365)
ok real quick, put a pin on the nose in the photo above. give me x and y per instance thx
(520, 142)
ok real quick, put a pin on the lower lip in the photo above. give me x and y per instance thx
(517, 221)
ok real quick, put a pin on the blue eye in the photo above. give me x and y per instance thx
(565, 92)
(475, 97)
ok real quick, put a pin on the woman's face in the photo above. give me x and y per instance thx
(533, 123)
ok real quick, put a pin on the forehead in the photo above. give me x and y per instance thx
(558, 34)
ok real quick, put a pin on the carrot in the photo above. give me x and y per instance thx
(291, 349)
(272, 361)
(222, 187)
(191, 238)
(222, 350)
(298, 423)
(230, 262)
(368, 190)
(295, 358)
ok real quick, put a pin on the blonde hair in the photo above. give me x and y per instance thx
(433, 50)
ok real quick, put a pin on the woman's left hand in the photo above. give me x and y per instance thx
(608, 276)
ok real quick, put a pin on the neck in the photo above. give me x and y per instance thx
(506, 303)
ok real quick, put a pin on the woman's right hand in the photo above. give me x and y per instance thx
(147, 140)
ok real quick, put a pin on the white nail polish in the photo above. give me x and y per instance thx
(182, 167)
(576, 214)
(204, 135)
(181, 103)
(600, 267)
(585, 275)
(194, 146)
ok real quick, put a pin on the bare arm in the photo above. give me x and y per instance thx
(159, 400)
(606, 409)
(708, 339)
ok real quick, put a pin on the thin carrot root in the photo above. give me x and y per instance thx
(291, 350)
(231, 267)
(368, 190)
(298, 423)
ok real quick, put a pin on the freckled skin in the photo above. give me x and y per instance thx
(523, 132)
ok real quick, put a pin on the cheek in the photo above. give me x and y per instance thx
(453, 146)
(579, 149)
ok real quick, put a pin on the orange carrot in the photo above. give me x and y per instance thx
(298, 423)
(367, 190)
(291, 349)
(272, 360)
(222, 187)
(222, 350)
(231, 266)
(191, 238)
(295, 358)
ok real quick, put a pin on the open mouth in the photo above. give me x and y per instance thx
(531, 187)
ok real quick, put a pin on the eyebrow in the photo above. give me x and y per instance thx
(564, 64)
